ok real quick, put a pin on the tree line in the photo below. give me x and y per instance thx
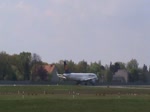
(29, 67)
(22, 67)
(106, 72)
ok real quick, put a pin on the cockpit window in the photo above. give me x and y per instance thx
(91, 75)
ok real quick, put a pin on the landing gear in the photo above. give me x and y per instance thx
(92, 82)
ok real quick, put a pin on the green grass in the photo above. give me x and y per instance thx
(73, 99)
(75, 105)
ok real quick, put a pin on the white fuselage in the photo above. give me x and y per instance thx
(81, 76)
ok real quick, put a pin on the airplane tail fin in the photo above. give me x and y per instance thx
(66, 67)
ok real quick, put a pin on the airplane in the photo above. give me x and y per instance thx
(78, 77)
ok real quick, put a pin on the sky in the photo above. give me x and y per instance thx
(90, 30)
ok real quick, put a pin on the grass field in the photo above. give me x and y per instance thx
(73, 99)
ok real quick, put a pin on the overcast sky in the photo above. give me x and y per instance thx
(91, 30)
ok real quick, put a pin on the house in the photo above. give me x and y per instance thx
(51, 69)
(121, 76)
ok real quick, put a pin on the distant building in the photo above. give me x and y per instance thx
(121, 76)
(51, 69)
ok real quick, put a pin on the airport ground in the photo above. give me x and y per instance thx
(74, 98)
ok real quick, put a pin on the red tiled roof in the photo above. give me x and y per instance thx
(49, 68)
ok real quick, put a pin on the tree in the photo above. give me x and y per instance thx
(114, 68)
(133, 77)
(38, 73)
(14, 60)
(25, 63)
(6, 71)
(43, 74)
(133, 64)
(121, 65)
(60, 67)
(109, 76)
(71, 66)
(96, 68)
(35, 58)
(142, 73)
(82, 66)
(132, 68)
